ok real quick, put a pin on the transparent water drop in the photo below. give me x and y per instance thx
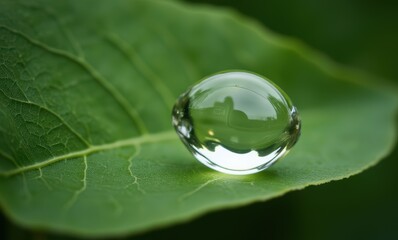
(236, 122)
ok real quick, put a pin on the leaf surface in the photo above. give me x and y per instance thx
(86, 90)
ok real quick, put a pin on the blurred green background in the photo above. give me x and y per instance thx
(362, 34)
(359, 33)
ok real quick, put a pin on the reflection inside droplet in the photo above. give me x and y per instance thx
(236, 122)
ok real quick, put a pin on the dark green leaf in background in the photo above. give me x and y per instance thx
(357, 33)
(86, 143)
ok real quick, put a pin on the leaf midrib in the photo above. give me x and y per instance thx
(135, 141)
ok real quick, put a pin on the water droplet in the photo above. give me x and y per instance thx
(236, 122)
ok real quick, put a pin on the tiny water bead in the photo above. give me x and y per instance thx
(236, 122)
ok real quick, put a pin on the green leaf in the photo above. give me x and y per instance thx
(86, 90)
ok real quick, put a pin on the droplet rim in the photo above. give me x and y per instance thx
(284, 149)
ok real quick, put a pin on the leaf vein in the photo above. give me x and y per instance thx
(41, 177)
(135, 178)
(137, 62)
(77, 193)
(54, 114)
(7, 156)
(148, 138)
(117, 96)
(171, 43)
(200, 187)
